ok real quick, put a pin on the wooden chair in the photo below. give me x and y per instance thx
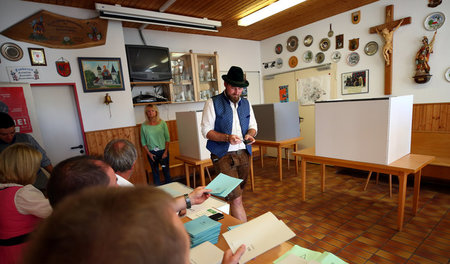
(390, 182)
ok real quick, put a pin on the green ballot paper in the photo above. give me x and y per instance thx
(223, 184)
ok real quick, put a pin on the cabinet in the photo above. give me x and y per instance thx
(195, 77)
(208, 76)
(183, 77)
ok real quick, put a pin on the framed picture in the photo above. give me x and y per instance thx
(355, 82)
(101, 74)
(37, 57)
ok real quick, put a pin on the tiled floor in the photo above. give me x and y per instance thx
(358, 226)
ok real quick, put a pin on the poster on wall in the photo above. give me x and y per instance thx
(22, 74)
(284, 93)
(355, 82)
(314, 89)
(12, 101)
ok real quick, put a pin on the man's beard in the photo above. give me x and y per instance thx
(233, 98)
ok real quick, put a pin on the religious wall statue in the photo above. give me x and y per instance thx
(422, 58)
(388, 35)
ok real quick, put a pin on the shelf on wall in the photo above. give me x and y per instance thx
(150, 83)
(152, 103)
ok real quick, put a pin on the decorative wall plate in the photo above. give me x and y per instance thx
(308, 40)
(371, 48)
(279, 63)
(336, 56)
(320, 57)
(278, 48)
(353, 58)
(11, 51)
(293, 61)
(308, 56)
(324, 44)
(434, 21)
(292, 43)
(447, 75)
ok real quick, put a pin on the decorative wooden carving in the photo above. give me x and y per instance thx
(56, 31)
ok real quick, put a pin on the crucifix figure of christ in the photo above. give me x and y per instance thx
(387, 30)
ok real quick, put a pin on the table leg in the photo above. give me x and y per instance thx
(296, 158)
(322, 174)
(280, 163)
(303, 174)
(417, 177)
(402, 180)
(202, 175)
(186, 172)
(252, 177)
(261, 156)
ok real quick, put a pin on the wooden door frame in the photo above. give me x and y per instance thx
(77, 102)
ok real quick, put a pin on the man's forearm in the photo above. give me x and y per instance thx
(217, 136)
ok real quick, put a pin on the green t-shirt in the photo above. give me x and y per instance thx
(155, 136)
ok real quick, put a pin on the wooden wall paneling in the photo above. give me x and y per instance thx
(431, 117)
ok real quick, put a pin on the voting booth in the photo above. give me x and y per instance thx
(376, 130)
(192, 143)
(277, 121)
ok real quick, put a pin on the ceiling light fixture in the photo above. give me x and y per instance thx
(268, 11)
(117, 12)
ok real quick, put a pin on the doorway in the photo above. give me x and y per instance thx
(57, 111)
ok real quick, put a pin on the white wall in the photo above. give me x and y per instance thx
(95, 114)
(243, 53)
(407, 41)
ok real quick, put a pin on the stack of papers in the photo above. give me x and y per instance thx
(223, 184)
(203, 229)
(300, 255)
(258, 235)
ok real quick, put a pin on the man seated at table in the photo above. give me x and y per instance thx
(79, 172)
(89, 228)
(9, 136)
(121, 155)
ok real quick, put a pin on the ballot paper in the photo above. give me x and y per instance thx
(223, 184)
(205, 253)
(258, 235)
(297, 255)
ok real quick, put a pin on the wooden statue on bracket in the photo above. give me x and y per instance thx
(422, 57)
(434, 3)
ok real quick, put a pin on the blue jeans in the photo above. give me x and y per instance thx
(155, 166)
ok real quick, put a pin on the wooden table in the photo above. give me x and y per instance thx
(411, 163)
(266, 258)
(188, 161)
(279, 145)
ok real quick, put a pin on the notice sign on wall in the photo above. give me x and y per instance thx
(12, 101)
(22, 74)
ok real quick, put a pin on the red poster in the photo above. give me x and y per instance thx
(12, 101)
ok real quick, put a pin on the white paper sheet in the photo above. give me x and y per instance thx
(206, 253)
(258, 235)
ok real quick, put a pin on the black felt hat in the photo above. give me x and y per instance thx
(235, 77)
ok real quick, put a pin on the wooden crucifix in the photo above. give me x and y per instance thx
(387, 30)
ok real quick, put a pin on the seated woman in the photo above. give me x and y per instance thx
(22, 205)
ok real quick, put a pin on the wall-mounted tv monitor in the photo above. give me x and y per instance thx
(148, 63)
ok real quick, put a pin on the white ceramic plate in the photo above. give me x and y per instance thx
(308, 56)
(447, 75)
(336, 56)
(353, 58)
(434, 21)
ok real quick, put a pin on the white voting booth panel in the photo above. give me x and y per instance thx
(192, 143)
(374, 130)
(277, 121)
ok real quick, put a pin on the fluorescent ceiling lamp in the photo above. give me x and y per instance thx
(115, 12)
(268, 11)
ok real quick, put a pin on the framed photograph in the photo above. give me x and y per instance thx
(101, 74)
(37, 57)
(355, 82)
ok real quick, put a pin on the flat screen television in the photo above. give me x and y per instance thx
(148, 63)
